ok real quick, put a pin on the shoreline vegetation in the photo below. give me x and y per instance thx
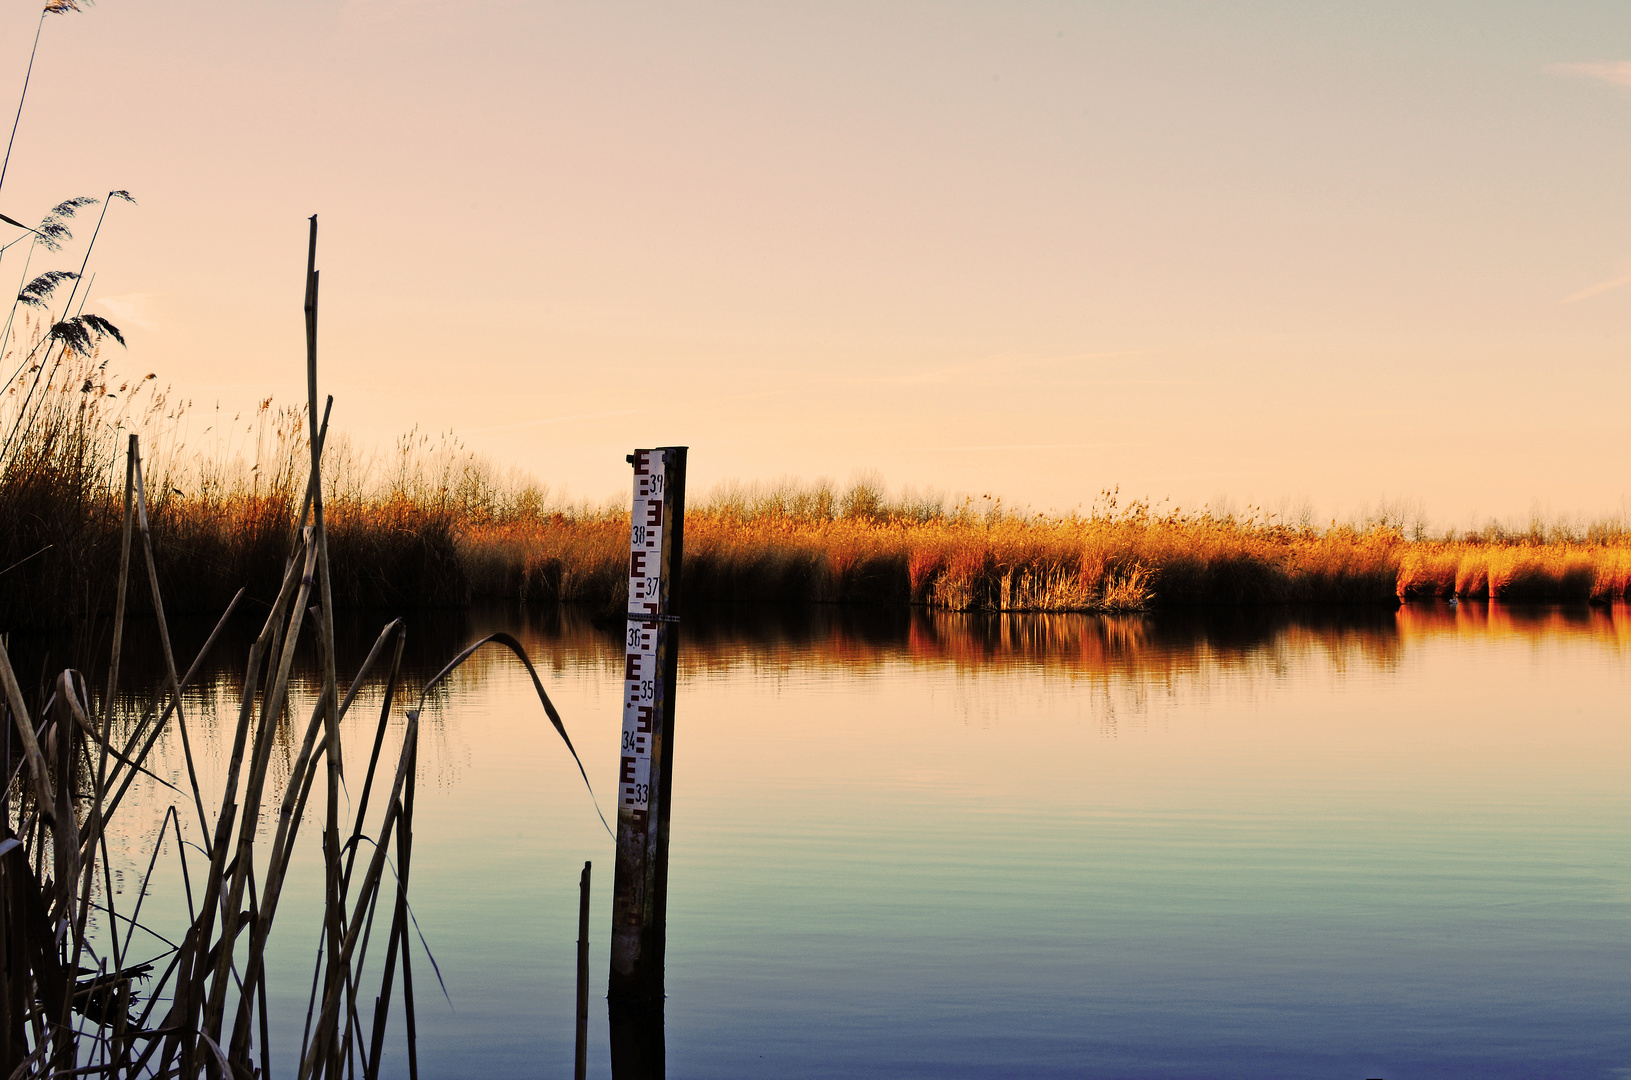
(813, 544)
(433, 525)
(192, 996)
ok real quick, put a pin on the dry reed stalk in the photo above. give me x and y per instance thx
(123, 588)
(174, 681)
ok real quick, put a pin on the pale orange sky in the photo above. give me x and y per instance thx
(1276, 250)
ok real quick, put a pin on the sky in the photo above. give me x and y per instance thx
(1279, 254)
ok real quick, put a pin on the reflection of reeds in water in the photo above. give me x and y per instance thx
(1155, 651)
(1148, 646)
(1605, 625)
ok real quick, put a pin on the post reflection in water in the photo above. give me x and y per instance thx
(1233, 843)
(635, 1035)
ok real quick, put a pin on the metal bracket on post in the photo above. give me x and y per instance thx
(646, 763)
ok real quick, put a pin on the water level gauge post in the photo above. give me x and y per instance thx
(646, 755)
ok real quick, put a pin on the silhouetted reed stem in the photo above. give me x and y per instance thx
(174, 681)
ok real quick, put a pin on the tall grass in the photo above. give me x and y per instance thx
(59, 491)
(224, 490)
(431, 524)
(816, 543)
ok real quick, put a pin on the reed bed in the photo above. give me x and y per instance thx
(222, 492)
(985, 559)
(432, 525)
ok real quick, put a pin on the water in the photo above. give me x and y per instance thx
(1246, 845)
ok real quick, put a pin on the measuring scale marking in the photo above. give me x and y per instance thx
(640, 672)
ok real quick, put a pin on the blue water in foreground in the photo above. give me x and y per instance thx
(1393, 846)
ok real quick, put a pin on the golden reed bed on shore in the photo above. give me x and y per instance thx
(1082, 564)
(401, 551)
(434, 525)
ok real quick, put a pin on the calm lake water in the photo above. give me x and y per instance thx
(1386, 844)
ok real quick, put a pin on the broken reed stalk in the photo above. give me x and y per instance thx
(164, 631)
(580, 1056)
(336, 772)
(295, 532)
(124, 579)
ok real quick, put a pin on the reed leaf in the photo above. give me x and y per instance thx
(509, 642)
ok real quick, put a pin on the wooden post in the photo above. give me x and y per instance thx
(581, 1061)
(646, 763)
